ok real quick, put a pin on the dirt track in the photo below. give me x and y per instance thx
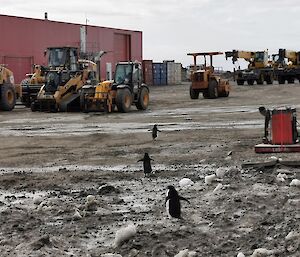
(51, 162)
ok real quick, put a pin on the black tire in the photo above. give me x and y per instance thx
(194, 93)
(224, 94)
(260, 81)
(281, 80)
(213, 89)
(205, 94)
(269, 80)
(8, 97)
(291, 80)
(250, 82)
(143, 99)
(33, 106)
(123, 100)
(240, 82)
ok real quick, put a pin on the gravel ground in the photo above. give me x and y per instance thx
(70, 181)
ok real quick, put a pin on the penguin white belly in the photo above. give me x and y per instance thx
(168, 208)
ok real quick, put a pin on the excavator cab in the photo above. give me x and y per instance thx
(205, 80)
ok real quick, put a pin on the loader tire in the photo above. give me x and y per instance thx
(143, 101)
(291, 81)
(281, 80)
(194, 93)
(250, 82)
(8, 97)
(240, 82)
(205, 94)
(213, 89)
(25, 100)
(123, 100)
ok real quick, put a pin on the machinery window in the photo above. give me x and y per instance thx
(123, 71)
(56, 57)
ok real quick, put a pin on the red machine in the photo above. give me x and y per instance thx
(283, 131)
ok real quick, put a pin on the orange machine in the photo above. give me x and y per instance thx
(205, 80)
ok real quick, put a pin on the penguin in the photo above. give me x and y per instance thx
(154, 132)
(146, 163)
(173, 206)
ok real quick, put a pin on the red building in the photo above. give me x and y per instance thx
(24, 41)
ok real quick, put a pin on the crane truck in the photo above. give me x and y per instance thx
(259, 68)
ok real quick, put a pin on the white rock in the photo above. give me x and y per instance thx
(183, 253)
(77, 215)
(185, 182)
(209, 179)
(260, 252)
(124, 234)
(110, 255)
(220, 172)
(218, 187)
(90, 198)
(292, 235)
(192, 254)
(281, 177)
(37, 200)
(295, 182)
(91, 203)
(240, 254)
(273, 158)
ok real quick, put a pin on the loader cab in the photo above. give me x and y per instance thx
(63, 57)
(63, 64)
(128, 73)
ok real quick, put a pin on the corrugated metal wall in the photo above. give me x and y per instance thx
(24, 40)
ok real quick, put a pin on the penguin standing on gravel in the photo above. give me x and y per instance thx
(173, 206)
(146, 163)
(154, 132)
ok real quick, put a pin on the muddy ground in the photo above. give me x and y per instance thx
(51, 162)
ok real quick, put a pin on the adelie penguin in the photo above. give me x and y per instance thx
(146, 163)
(154, 132)
(173, 206)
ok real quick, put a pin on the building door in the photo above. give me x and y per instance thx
(19, 66)
(122, 47)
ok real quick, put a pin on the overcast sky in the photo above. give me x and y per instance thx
(172, 28)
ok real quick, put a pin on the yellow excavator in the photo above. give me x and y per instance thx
(259, 68)
(7, 89)
(65, 76)
(125, 90)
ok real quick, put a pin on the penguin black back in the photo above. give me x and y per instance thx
(154, 132)
(173, 205)
(146, 163)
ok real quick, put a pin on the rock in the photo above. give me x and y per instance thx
(295, 182)
(220, 172)
(77, 215)
(185, 182)
(39, 243)
(183, 253)
(107, 189)
(209, 179)
(124, 234)
(261, 252)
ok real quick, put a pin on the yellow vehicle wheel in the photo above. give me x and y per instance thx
(8, 97)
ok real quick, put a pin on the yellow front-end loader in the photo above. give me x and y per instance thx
(7, 89)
